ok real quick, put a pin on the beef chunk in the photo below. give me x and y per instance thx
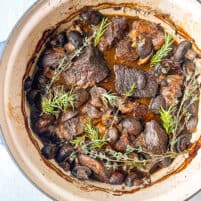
(127, 106)
(59, 40)
(125, 77)
(156, 104)
(91, 17)
(123, 142)
(192, 124)
(70, 128)
(148, 29)
(63, 153)
(69, 114)
(96, 96)
(51, 58)
(132, 126)
(91, 111)
(88, 69)
(112, 135)
(96, 166)
(173, 89)
(114, 32)
(125, 52)
(155, 138)
(82, 96)
(140, 110)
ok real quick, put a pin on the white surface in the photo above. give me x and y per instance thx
(14, 186)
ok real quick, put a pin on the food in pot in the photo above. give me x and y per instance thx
(114, 98)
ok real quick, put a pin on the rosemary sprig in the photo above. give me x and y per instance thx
(167, 119)
(163, 51)
(101, 30)
(110, 98)
(60, 101)
(78, 140)
(93, 135)
(129, 93)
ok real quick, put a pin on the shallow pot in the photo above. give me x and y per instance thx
(22, 43)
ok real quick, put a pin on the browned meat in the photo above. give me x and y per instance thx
(134, 178)
(181, 50)
(125, 77)
(191, 55)
(96, 96)
(69, 114)
(140, 110)
(88, 69)
(108, 118)
(114, 32)
(123, 142)
(81, 172)
(132, 126)
(91, 17)
(82, 96)
(117, 178)
(156, 104)
(42, 123)
(155, 138)
(96, 166)
(149, 29)
(75, 38)
(51, 58)
(70, 128)
(92, 111)
(112, 135)
(127, 106)
(49, 151)
(125, 52)
(173, 89)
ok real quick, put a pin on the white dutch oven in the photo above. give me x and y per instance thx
(21, 46)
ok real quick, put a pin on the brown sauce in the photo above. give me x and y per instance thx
(109, 85)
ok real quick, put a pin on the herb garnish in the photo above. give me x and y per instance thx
(101, 30)
(59, 101)
(129, 93)
(167, 119)
(110, 98)
(163, 51)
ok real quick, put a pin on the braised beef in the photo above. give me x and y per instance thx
(123, 142)
(96, 166)
(191, 124)
(157, 103)
(149, 29)
(140, 110)
(51, 58)
(92, 111)
(88, 69)
(125, 52)
(27, 84)
(173, 90)
(96, 96)
(69, 114)
(116, 30)
(59, 40)
(125, 77)
(155, 138)
(82, 96)
(63, 153)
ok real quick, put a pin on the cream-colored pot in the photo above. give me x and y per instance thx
(20, 47)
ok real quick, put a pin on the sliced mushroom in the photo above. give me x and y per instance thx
(81, 172)
(183, 141)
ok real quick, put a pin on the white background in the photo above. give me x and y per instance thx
(14, 186)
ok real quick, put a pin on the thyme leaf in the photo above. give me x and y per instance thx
(101, 30)
(163, 51)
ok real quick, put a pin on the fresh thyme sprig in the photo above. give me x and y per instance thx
(129, 93)
(101, 30)
(167, 119)
(59, 101)
(163, 51)
(110, 98)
